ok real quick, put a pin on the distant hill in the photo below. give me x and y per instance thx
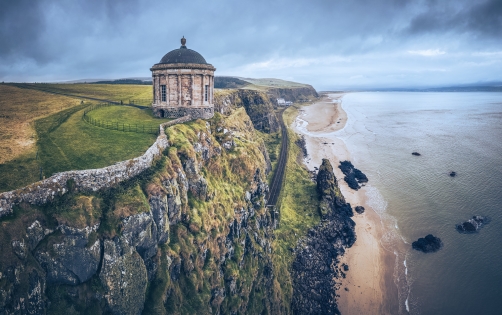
(494, 86)
(109, 81)
(264, 84)
(467, 88)
(124, 81)
(274, 83)
(229, 83)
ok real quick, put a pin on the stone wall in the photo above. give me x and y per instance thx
(174, 112)
(87, 180)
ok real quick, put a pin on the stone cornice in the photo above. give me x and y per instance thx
(162, 66)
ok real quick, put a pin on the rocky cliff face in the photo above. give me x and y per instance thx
(314, 270)
(297, 94)
(257, 104)
(190, 235)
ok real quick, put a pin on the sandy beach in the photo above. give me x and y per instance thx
(368, 287)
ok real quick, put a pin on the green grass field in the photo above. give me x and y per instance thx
(128, 116)
(113, 92)
(66, 142)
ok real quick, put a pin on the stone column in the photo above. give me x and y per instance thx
(168, 95)
(153, 83)
(179, 89)
(203, 82)
(157, 89)
(191, 91)
(211, 85)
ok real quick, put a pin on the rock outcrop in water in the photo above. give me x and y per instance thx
(353, 176)
(314, 270)
(428, 244)
(472, 225)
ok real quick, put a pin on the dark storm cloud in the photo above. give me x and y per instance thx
(356, 40)
(26, 25)
(20, 24)
(479, 19)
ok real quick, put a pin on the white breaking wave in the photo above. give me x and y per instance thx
(376, 200)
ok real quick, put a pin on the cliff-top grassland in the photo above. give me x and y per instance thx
(188, 236)
(43, 133)
(18, 110)
(192, 234)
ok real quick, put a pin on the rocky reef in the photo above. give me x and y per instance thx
(472, 225)
(314, 270)
(353, 176)
(428, 244)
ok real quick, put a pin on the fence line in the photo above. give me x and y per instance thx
(141, 101)
(87, 180)
(116, 125)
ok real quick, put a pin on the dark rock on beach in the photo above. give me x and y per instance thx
(303, 145)
(359, 209)
(315, 267)
(428, 244)
(472, 225)
(415, 153)
(353, 176)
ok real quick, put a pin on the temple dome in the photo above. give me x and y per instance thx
(183, 55)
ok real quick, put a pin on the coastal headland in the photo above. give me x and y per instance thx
(368, 286)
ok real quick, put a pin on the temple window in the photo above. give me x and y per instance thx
(163, 91)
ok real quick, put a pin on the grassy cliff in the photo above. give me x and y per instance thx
(193, 232)
(190, 235)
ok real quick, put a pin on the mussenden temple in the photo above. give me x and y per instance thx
(183, 84)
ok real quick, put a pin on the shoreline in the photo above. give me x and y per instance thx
(369, 282)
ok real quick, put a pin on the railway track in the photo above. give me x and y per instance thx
(278, 178)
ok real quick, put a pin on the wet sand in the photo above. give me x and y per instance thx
(368, 287)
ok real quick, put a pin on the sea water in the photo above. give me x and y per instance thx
(415, 196)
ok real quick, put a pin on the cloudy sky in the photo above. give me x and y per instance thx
(331, 44)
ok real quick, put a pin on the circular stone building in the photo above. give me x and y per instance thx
(183, 84)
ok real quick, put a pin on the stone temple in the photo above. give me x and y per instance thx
(183, 84)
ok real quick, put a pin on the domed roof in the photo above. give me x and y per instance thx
(183, 55)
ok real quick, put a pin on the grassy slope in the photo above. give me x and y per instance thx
(76, 144)
(114, 92)
(59, 140)
(18, 109)
(298, 210)
(127, 115)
